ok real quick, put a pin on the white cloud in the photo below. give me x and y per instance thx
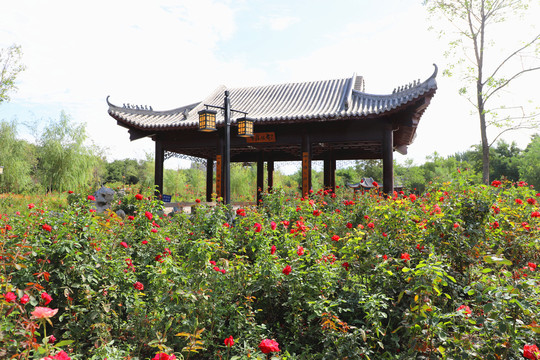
(280, 23)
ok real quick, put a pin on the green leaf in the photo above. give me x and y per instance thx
(64, 343)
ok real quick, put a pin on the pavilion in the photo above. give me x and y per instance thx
(318, 120)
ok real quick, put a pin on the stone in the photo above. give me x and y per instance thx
(104, 198)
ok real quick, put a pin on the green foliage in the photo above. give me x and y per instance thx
(64, 161)
(529, 169)
(17, 157)
(450, 274)
(10, 67)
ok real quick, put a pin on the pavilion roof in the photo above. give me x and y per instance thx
(284, 103)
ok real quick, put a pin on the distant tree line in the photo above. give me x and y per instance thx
(60, 159)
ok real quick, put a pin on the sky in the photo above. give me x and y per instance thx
(170, 53)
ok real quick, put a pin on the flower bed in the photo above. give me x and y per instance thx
(449, 274)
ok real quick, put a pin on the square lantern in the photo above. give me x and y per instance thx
(245, 127)
(207, 120)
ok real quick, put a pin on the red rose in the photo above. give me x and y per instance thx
(287, 270)
(52, 339)
(345, 265)
(406, 256)
(519, 201)
(31, 206)
(375, 184)
(268, 346)
(532, 266)
(257, 227)
(496, 183)
(300, 251)
(61, 356)
(335, 238)
(273, 249)
(138, 285)
(531, 352)
(154, 230)
(10, 297)
(229, 341)
(144, 242)
(273, 225)
(130, 217)
(46, 297)
(349, 225)
(91, 198)
(124, 244)
(212, 262)
(138, 197)
(47, 227)
(535, 214)
(163, 356)
(466, 310)
(241, 212)
(70, 192)
(385, 257)
(24, 299)
(412, 197)
(148, 215)
(198, 201)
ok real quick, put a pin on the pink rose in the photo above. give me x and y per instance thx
(43, 312)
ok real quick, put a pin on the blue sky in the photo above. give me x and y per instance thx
(168, 53)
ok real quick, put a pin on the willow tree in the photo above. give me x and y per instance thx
(65, 161)
(490, 55)
(18, 158)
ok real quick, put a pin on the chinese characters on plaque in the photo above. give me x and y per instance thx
(305, 173)
(262, 137)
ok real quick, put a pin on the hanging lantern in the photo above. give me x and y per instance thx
(1, 170)
(245, 127)
(207, 120)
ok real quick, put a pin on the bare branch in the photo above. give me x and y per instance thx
(536, 38)
(489, 94)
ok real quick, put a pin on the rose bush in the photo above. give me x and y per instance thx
(330, 275)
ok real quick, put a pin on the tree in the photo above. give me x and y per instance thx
(65, 163)
(486, 73)
(10, 67)
(17, 157)
(529, 164)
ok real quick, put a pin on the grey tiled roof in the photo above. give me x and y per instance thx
(291, 102)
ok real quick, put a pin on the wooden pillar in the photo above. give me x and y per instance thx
(326, 173)
(260, 176)
(333, 174)
(388, 160)
(270, 170)
(330, 172)
(209, 179)
(306, 165)
(220, 184)
(158, 169)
